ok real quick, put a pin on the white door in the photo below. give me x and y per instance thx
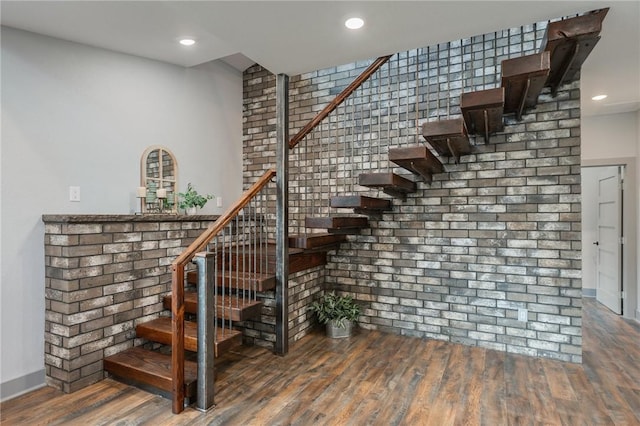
(609, 265)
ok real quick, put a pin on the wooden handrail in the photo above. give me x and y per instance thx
(177, 287)
(338, 100)
(200, 243)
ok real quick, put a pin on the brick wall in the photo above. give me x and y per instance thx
(104, 275)
(456, 260)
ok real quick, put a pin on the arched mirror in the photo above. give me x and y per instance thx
(158, 175)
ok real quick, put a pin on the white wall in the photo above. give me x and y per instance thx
(638, 198)
(78, 115)
(614, 139)
(609, 136)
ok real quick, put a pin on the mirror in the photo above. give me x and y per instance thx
(158, 171)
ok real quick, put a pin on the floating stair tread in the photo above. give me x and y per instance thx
(390, 183)
(316, 240)
(150, 368)
(228, 307)
(337, 222)
(264, 261)
(387, 181)
(448, 137)
(482, 111)
(417, 159)
(523, 79)
(359, 202)
(240, 280)
(159, 330)
(570, 41)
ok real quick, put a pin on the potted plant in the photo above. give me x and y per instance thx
(190, 200)
(339, 313)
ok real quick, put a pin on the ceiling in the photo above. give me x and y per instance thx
(299, 36)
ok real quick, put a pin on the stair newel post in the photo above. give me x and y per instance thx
(206, 262)
(177, 340)
(282, 214)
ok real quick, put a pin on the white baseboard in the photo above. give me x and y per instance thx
(588, 292)
(21, 385)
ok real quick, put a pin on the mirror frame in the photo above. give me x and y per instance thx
(144, 178)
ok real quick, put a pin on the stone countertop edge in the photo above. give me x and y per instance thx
(107, 218)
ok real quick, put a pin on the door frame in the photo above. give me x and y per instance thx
(629, 225)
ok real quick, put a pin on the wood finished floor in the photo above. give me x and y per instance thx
(382, 379)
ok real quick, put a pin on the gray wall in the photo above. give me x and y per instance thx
(456, 260)
(78, 115)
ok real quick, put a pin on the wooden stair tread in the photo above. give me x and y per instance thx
(299, 260)
(316, 241)
(229, 307)
(240, 280)
(391, 183)
(569, 42)
(417, 159)
(523, 79)
(482, 111)
(159, 330)
(150, 368)
(337, 223)
(359, 202)
(448, 137)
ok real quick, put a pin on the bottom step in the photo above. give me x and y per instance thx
(145, 367)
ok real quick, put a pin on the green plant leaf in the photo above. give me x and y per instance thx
(331, 306)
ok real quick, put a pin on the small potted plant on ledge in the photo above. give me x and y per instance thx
(339, 313)
(190, 200)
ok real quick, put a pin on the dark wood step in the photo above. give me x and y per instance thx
(569, 42)
(263, 259)
(236, 280)
(159, 330)
(145, 367)
(338, 224)
(229, 307)
(360, 203)
(448, 137)
(417, 159)
(482, 111)
(523, 79)
(391, 183)
(317, 241)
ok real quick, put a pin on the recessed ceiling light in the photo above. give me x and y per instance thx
(187, 42)
(599, 97)
(354, 23)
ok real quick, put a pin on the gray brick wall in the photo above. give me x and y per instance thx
(104, 275)
(456, 260)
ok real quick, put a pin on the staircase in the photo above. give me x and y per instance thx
(235, 302)
(245, 267)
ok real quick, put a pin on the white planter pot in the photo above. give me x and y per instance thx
(191, 211)
(336, 332)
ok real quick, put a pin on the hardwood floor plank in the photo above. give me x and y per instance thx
(493, 404)
(376, 378)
